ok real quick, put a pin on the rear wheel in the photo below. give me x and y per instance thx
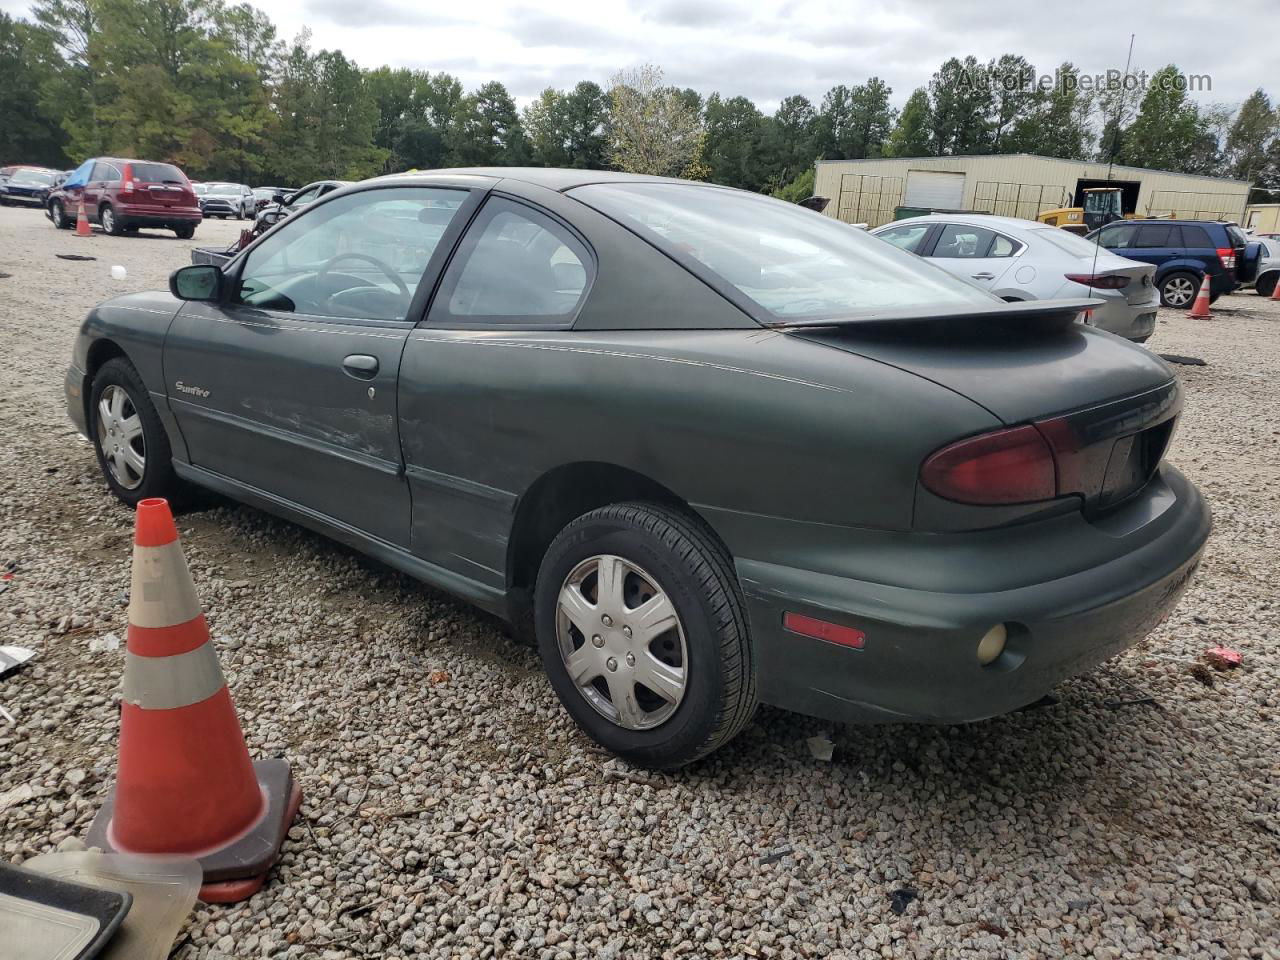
(643, 634)
(185, 232)
(110, 222)
(1266, 285)
(1178, 290)
(128, 437)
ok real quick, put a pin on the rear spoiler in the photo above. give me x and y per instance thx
(1025, 316)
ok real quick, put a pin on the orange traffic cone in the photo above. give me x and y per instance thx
(82, 220)
(185, 783)
(1200, 309)
(1275, 291)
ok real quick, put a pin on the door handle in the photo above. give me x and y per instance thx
(984, 276)
(361, 366)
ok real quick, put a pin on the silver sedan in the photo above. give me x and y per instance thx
(1021, 260)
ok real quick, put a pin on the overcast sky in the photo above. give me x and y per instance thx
(768, 50)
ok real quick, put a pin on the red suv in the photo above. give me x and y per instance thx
(123, 195)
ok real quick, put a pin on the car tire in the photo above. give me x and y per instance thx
(1266, 284)
(116, 396)
(58, 214)
(1141, 339)
(1178, 290)
(185, 232)
(109, 220)
(700, 652)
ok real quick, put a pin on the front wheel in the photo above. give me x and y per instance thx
(1178, 290)
(128, 437)
(59, 216)
(643, 633)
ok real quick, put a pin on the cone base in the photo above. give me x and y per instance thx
(233, 891)
(238, 865)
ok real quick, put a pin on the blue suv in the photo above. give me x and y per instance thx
(1183, 253)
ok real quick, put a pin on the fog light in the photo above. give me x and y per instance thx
(992, 644)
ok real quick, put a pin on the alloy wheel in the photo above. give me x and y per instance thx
(108, 218)
(622, 642)
(120, 437)
(1179, 291)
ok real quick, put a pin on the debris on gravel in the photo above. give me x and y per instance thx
(452, 809)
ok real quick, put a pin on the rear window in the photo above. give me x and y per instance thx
(1066, 241)
(157, 173)
(788, 262)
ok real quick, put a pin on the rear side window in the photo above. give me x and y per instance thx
(1197, 238)
(1158, 235)
(960, 241)
(1238, 239)
(786, 262)
(1002, 246)
(157, 173)
(514, 266)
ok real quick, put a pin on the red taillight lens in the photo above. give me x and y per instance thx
(1099, 282)
(1228, 257)
(822, 630)
(1007, 466)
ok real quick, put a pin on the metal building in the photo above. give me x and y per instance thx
(1015, 185)
(1262, 218)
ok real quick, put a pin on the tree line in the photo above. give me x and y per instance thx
(210, 86)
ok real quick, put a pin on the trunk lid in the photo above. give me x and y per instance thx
(1105, 406)
(1141, 275)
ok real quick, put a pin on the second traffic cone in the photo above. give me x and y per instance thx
(185, 783)
(1200, 309)
(1275, 291)
(82, 221)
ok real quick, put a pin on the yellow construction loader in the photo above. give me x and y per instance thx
(1101, 206)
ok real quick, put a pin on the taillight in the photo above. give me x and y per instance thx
(1228, 257)
(1100, 281)
(1003, 467)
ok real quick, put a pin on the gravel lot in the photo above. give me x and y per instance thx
(452, 809)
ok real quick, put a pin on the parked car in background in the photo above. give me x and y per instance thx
(28, 186)
(224, 200)
(1022, 260)
(1268, 266)
(1183, 253)
(265, 196)
(714, 448)
(123, 195)
(284, 205)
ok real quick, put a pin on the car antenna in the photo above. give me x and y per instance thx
(1115, 142)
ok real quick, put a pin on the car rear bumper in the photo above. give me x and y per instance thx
(1134, 321)
(148, 215)
(919, 661)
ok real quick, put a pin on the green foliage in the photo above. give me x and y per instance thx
(798, 189)
(208, 84)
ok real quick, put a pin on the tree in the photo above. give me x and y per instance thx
(787, 140)
(960, 103)
(1012, 97)
(654, 129)
(486, 130)
(29, 60)
(1168, 129)
(912, 135)
(731, 150)
(1249, 135)
(75, 87)
(1057, 123)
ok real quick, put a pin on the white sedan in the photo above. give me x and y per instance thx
(1022, 260)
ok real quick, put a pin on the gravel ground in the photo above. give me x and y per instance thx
(452, 809)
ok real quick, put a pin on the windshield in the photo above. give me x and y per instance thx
(790, 262)
(223, 190)
(1067, 241)
(32, 178)
(157, 173)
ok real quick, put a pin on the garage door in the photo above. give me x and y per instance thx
(938, 191)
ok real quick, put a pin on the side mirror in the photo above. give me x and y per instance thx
(278, 198)
(200, 281)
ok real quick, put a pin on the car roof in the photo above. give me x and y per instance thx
(977, 220)
(553, 178)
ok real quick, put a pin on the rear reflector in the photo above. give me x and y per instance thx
(1004, 467)
(1104, 281)
(822, 630)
